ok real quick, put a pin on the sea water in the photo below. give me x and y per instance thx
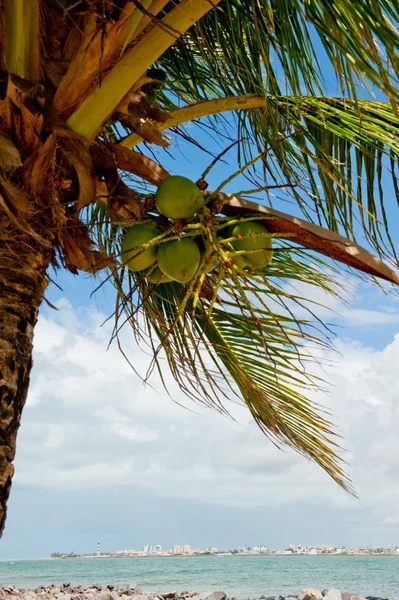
(239, 576)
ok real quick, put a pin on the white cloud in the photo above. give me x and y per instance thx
(344, 309)
(90, 423)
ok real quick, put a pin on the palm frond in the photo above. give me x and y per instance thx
(338, 158)
(99, 105)
(21, 38)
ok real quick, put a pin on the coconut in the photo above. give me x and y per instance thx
(156, 276)
(178, 198)
(263, 244)
(132, 254)
(259, 259)
(179, 259)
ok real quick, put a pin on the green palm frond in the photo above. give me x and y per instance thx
(276, 45)
(337, 157)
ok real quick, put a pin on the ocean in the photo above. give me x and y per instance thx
(239, 576)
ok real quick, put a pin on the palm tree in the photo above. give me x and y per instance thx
(84, 81)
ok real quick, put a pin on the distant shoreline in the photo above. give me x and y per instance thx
(89, 556)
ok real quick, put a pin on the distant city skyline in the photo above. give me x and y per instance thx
(188, 550)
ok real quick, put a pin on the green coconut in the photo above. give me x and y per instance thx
(156, 276)
(178, 198)
(259, 259)
(132, 254)
(179, 259)
(263, 244)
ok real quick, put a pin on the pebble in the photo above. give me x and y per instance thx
(216, 596)
(310, 594)
(332, 594)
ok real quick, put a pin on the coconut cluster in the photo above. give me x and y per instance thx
(179, 199)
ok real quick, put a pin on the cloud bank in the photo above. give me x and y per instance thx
(91, 424)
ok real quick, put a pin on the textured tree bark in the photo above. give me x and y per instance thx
(22, 284)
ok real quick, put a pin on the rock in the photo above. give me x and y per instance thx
(216, 596)
(140, 597)
(332, 594)
(169, 595)
(290, 598)
(310, 594)
(346, 596)
(357, 597)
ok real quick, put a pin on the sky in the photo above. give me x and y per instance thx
(101, 457)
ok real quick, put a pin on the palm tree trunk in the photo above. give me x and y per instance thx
(22, 284)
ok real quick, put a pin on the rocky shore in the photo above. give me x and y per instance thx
(68, 591)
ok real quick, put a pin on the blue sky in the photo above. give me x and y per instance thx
(100, 457)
